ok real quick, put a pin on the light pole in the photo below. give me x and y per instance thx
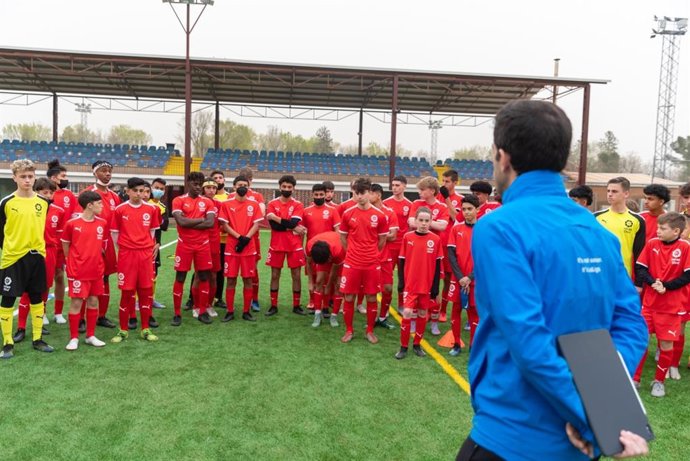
(84, 110)
(188, 76)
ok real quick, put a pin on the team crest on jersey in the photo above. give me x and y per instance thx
(38, 208)
(112, 202)
(146, 217)
(177, 260)
(202, 206)
(435, 212)
(250, 210)
(675, 256)
(8, 281)
(76, 284)
(99, 230)
(326, 214)
(120, 276)
(54, 219)
(430, 246)
(406, 210)
(451, 288)
(290, 210)
(343, 281)
(374, 221)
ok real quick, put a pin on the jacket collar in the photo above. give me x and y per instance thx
(537, 183)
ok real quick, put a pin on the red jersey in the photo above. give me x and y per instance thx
(349, 203)
(420, 252)
(251, 195)
(460, 240)
(193, 208)
(214, 231)
(55, 223)
(240, 216)
(332, 239)
(665, 262)
(455, 201)
(651, 224)
(487, 208)
(110, 202)
(363, 228)
(392, 221)
(87, 240)
(439, 212)
(135, 225)
(65, 199)
(285, 240)
(402, 211)
(319, 219)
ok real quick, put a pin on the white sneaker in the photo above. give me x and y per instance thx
(413, 326)
(59, 319)
(212, 312)
(673, 373)
(434, 329)
(73, 344)
(658, 389)
(95, 342)
(195, 313)
(136, 306)
(45, 320)
(362, 309)
(334, 320)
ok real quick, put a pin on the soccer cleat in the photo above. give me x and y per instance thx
(212, 312)
(176, 321)
(298, 310)
(310, 311)
(347, 337)
(7, 351)
(371, 337)
(205, 318)
(658, 389)
(195, 313)
(248, 317)
(157, 305)
(467, 326)
(637, 385)
(326, 313)
(434, 329)
(334, 321)
(73, 344)
(42, 346)
(93, 341)
(19, 335)
(401, 354)
(153, 323)
(220, 304)
(272, 311)
(255, 306)
(455, 351)
(228, 316)
(146, 335)
(44, 331)
(384, 324)
(59, 319)
(45, 320)
(188, 305)
(443, 317)
(362, 309)
(317, 320)
(105, 322)
(418, 351)
(673, 373)
(132, 324)
(82, 326)
(120, 336)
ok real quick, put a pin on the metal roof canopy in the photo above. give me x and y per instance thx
(290, 85)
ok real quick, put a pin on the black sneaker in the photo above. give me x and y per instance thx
(19, 335)
(455, 351)
(228, 316)
(41, 346)
(82, 326)
(311, 310)
(418, 350)
(205, 318)
(189, 305)
(153, 323)
(325, 313)
(248, 317)
(7, 351)
(220, 304)
(272, 311)
(132, 324)
(44, 331)
(176, 321)
(298, 310)
(105, 322)
(384, 324)
(401, 354)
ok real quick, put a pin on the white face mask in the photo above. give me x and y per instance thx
(101, 183)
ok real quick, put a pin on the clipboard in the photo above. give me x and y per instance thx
(602, 380)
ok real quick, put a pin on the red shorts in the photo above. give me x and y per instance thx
(185, 255)
(323, 267)
(257, 245)
(394, 253)
(135, 269)
(215, 257)
(416, 301)
(387, 273)
(236, 265)
(82, 289)
(60, 258)
(665, 326)
(454, 292)
(51, 257)
(355, 280)
(110, 260)
(277, 258)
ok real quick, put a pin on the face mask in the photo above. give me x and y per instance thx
(157, 194)
(319, 201)
(286, 193)
(242, 191)
(63, 184)
(221, 186)
(101, 183)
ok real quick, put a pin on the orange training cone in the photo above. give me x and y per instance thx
(448, 340)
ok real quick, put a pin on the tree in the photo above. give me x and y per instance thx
(374, 148)
(80, 133)
(236, 136)
(27, 132)
(473, 153)
(681, 146)
(324, 141)
(125, 134)
(201, 136)
(631, 162)
(609, 159)
(271, 140)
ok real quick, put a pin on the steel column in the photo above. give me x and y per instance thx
(360, 132)
(55, 117)
(187, 104)
(394, 127)
(582, 172)
(217, 133)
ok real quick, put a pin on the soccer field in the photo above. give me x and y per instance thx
(275, 389)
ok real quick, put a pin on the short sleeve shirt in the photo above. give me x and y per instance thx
(665, 262)
(402, 211)
(285, 240)
(319, 219)
(134, 224)
(363, 228)
(87, 241)
(420, 252)
(332, 239)
(240, 216)
(193, 208)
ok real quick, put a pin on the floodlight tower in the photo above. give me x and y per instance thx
(188, 77)
(671, 29)
(84, 110)
(434, 126)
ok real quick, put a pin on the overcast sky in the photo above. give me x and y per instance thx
(594, 39)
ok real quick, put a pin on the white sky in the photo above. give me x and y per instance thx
(593, 38)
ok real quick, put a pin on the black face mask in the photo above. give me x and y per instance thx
(63, 184)
(241, 191)
(221, 186)
(286, 193)
(319, 201)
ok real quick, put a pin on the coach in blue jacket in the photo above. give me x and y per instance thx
(543, 267)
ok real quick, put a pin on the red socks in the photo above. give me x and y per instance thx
(318, 301)
(405, 332)
(473, 318)
(145, 302)
(371, 315)
(349, 315)
(337, 302)
(91, 318)
(74, 324)
(456, 321)
(678, 351)
(178, 288)
(296, 295)
(274, 298)
(386, 298)
(255, 289)
(638, 372)
(104, 300)
(247, 295)
(23, 311)
(59, 305)
(204, 290)
(420, 326)
(126, 306)
(230, 299)
(663, 364)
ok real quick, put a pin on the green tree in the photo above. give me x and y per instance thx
(609, 158)
(201, 133)
(80, 133)
(271, 140)
(27, 132)
(236, 136)
(125, 134)
(681, 146)
(324, 141)
(473, 153)
(374, 148)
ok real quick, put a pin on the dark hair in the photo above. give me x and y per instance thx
(215, 172)
(658, 190)
(246, 172)
(196, 176)
(135, 182)
(400, 178)
(452, 174)
(481, 186)
(329, 185)
(584, 192)
(147, 184)
(471, 199)
(625, 184)
(239, 178)
(361, 185)
(685, 189)
(88, 196)
(44, 183)
(54, 168)
(377, 188)
(288, 178)
(159, 180)
(318, 188)
(536, 135)
(320, 252)
(674, 220)
(423, 209)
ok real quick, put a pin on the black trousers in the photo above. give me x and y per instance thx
(470, 451)
(220, 280)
